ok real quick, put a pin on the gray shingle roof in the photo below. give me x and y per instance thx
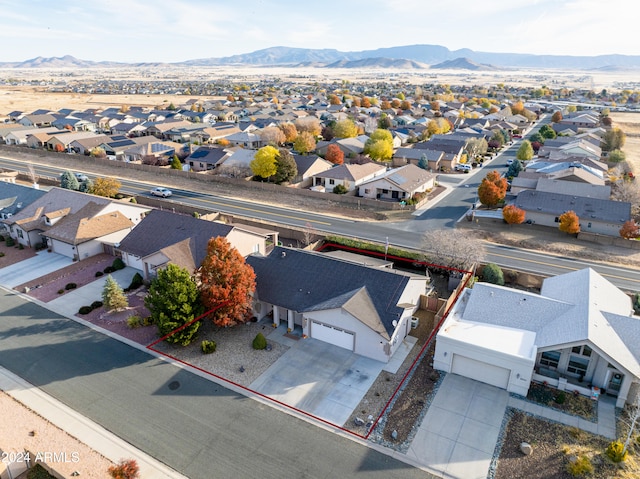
(12, 195)
(161, 229)
(614, 212)
(307, 281)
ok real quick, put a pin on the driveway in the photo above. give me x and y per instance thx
(321, 379)
(71, 301)
(29, 269)
(458, 435)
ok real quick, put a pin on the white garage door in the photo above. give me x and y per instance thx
(332, 335)
(480, 371)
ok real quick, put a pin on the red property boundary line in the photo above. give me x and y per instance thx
(293, 408)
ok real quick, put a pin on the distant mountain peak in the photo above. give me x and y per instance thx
(463, 64)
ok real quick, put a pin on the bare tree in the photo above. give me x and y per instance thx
(452, 248)
(31, 171)
(309, 234)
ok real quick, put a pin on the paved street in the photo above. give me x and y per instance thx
(197, 427)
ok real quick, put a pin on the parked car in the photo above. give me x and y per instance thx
(464, 168)
(160, 191)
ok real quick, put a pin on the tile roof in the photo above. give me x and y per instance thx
(309, 281)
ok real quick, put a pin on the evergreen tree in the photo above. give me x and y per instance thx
(113, 296)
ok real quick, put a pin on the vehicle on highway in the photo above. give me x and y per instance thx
(81, 177)
(509, 161)
(160, 191)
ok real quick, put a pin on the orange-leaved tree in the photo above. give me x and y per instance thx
(225, 278)
(630, 230)
(569, 222)
(334, 154)
(492, 189)
(513, 215)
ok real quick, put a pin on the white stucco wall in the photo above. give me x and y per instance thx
(246, 242)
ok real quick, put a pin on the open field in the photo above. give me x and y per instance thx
(35, 96)
(630, 124)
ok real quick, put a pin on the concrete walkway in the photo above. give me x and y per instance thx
(606, 425)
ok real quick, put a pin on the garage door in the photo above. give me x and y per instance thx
(333, 335)
(480, 371)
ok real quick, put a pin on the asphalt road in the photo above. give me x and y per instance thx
(195, 426)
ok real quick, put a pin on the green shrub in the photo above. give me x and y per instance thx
(581, 467)
(560, 398)
(96, 304)
(492, 273)
(134, 321)
(20, 246)
(1, 238)
(99, 273)
(340, 189)
(636, 303)
(61, 291)
(69, 286)
(118, 264)
(1, 254)
(136, 282)
(133, 200)
(259, 342)
(148, 321)
(10, 241)
(208, 347)
(85, 309)
(616, 452)
(108, 270)
(39, 472)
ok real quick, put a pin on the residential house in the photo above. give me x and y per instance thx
(59, 206)
(37, 121)
(206, 158)
(399, 184)
(159, 129)
(404, 156)
(243, 139)
(307, 166)
(62, 141)
(578, 334)
(14, 197)
(164, 237)
(19, 137)
(364, 309)
(83, 146)
(349, 176)
(604, 217)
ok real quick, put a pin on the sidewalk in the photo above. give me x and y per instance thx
(83, 429)
(606, 425)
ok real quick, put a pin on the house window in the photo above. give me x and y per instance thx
(582, 350)
(557, 220)
(20, 235)
(331, 182)
(550, 359)
(578, 365)
(385, 192)
(366, 191)
(589, 225)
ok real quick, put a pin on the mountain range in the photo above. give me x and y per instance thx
(401, 57)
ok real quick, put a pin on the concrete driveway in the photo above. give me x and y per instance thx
(41, 264)
(70, 303)
(319, 378)
(458, 435)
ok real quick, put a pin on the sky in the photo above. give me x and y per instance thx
(178, 30)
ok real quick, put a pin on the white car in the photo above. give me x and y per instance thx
(160, 191)
(463, 167)
(81, 177)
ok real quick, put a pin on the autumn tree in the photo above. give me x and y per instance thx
(97, 152)
(365, 102)
(525, 152)
(310, 124)
(334, 154)
(113, 296)
(517, 108)
(264, 162)
(125, 469)
(107, 187)
(334, 99)
(226, 282)
(173, 301)
(68, 181)
(569, 223)
(556, 117)
(385, 105)
(476, 146)
(286, 168)
(345, 129)
(304, 143)
(379, 146)
(613, 139)
(272, 135)
(616, 156)
(513, 215)
(492, 189)
(630, 230)
(290, 132)
(450, 248)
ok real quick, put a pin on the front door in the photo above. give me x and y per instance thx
(615, 383)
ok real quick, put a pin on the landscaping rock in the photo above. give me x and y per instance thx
(394, 435)
(526, 448)
(358, 421)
